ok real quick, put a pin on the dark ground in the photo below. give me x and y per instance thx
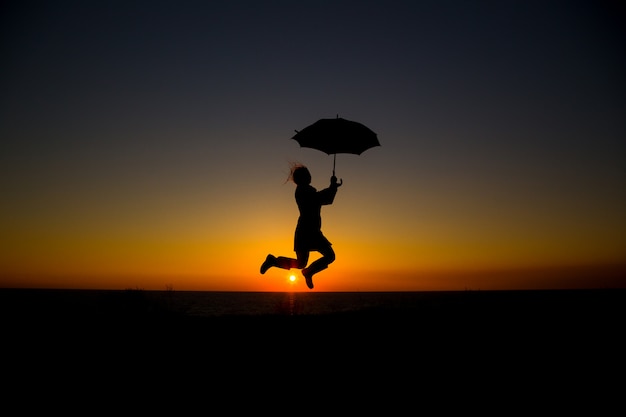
(525, 344)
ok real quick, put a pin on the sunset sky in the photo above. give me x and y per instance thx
(146, 144)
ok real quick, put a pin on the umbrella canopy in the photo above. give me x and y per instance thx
(333, 136)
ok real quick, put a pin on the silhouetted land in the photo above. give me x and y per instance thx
(490, 315)
(472, 338)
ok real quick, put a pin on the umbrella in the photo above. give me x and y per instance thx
(333, 136)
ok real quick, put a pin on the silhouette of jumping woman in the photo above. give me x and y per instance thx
(308, 235)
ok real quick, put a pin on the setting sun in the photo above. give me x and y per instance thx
(292, 278)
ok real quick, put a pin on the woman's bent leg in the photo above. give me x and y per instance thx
(328, 257)
(284, 262)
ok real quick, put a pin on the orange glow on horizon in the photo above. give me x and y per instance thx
(388, 255)
(341, 279)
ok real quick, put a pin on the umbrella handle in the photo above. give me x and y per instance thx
(335, 160)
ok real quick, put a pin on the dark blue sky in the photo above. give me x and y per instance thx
(498, 119)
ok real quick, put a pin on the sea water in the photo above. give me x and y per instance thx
(287, 303)
(19, 302)
(209, 303)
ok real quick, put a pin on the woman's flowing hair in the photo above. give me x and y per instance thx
(293, 166)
